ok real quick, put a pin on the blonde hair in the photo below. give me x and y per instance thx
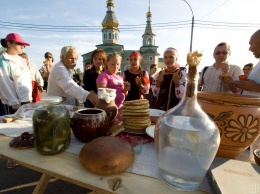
(111, 55)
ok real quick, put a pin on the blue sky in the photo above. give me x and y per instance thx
(213, 21)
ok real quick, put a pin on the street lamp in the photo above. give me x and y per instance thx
(192, 25)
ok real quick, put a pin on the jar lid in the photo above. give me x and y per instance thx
(51, 99)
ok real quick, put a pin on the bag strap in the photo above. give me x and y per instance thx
(202, 78)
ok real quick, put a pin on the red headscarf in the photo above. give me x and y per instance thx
(135, 54)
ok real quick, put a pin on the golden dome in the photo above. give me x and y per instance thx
(110, 24)
(149, 14)
(110, 3)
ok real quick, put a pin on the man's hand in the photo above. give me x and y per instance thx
(231, 84)
(40, 88)
(248, 85)
(225, 68)
(16, 107)
(93, 97)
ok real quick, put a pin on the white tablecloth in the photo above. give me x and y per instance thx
(145, 164)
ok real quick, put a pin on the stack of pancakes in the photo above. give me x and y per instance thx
(136, 115)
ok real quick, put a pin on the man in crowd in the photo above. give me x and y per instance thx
(60, 82)
(214, 78)
(251, 86)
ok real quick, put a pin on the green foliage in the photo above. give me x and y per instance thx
(2, 50)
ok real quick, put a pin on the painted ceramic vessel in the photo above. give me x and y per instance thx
(237, 117)
(90, 123)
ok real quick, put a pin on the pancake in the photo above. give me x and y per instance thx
(136, 102)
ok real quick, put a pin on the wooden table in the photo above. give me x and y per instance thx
(66, 166)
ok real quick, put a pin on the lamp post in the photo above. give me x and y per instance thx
(192, 25)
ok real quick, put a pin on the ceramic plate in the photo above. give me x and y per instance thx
(150, 131)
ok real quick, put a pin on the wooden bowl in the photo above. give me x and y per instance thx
(237, 117)
(257, 156)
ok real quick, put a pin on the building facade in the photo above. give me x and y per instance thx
(110, 38)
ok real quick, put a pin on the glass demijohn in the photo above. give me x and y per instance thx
(186, 140)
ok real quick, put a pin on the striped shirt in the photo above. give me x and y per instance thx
(211, 81)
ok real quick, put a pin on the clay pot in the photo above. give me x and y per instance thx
(110, 108)
(237, 117)
(90, 123)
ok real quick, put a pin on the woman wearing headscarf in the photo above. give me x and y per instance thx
(137, 78)
(170, 81)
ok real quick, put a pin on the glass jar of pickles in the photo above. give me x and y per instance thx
(51, 126)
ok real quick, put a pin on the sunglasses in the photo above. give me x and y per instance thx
(223, 53)
(49, 57)
(246, 69)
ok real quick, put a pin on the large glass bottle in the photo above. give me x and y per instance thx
(186, 140)
(51, 126)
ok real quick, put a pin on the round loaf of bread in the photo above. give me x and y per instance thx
(107, 155)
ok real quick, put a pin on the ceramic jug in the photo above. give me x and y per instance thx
(107, 102)
(90, 123)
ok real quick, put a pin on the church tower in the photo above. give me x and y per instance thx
(110, 31)
(149, 50)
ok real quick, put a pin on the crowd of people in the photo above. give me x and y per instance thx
(21, 81)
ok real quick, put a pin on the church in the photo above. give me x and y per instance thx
(110, 38)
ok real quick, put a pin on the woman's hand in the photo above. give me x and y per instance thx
(160, 78)
(138, 81)
(176, 78)
(127, 86)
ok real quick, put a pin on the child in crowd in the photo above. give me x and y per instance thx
(137, 78)
(111, 79)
